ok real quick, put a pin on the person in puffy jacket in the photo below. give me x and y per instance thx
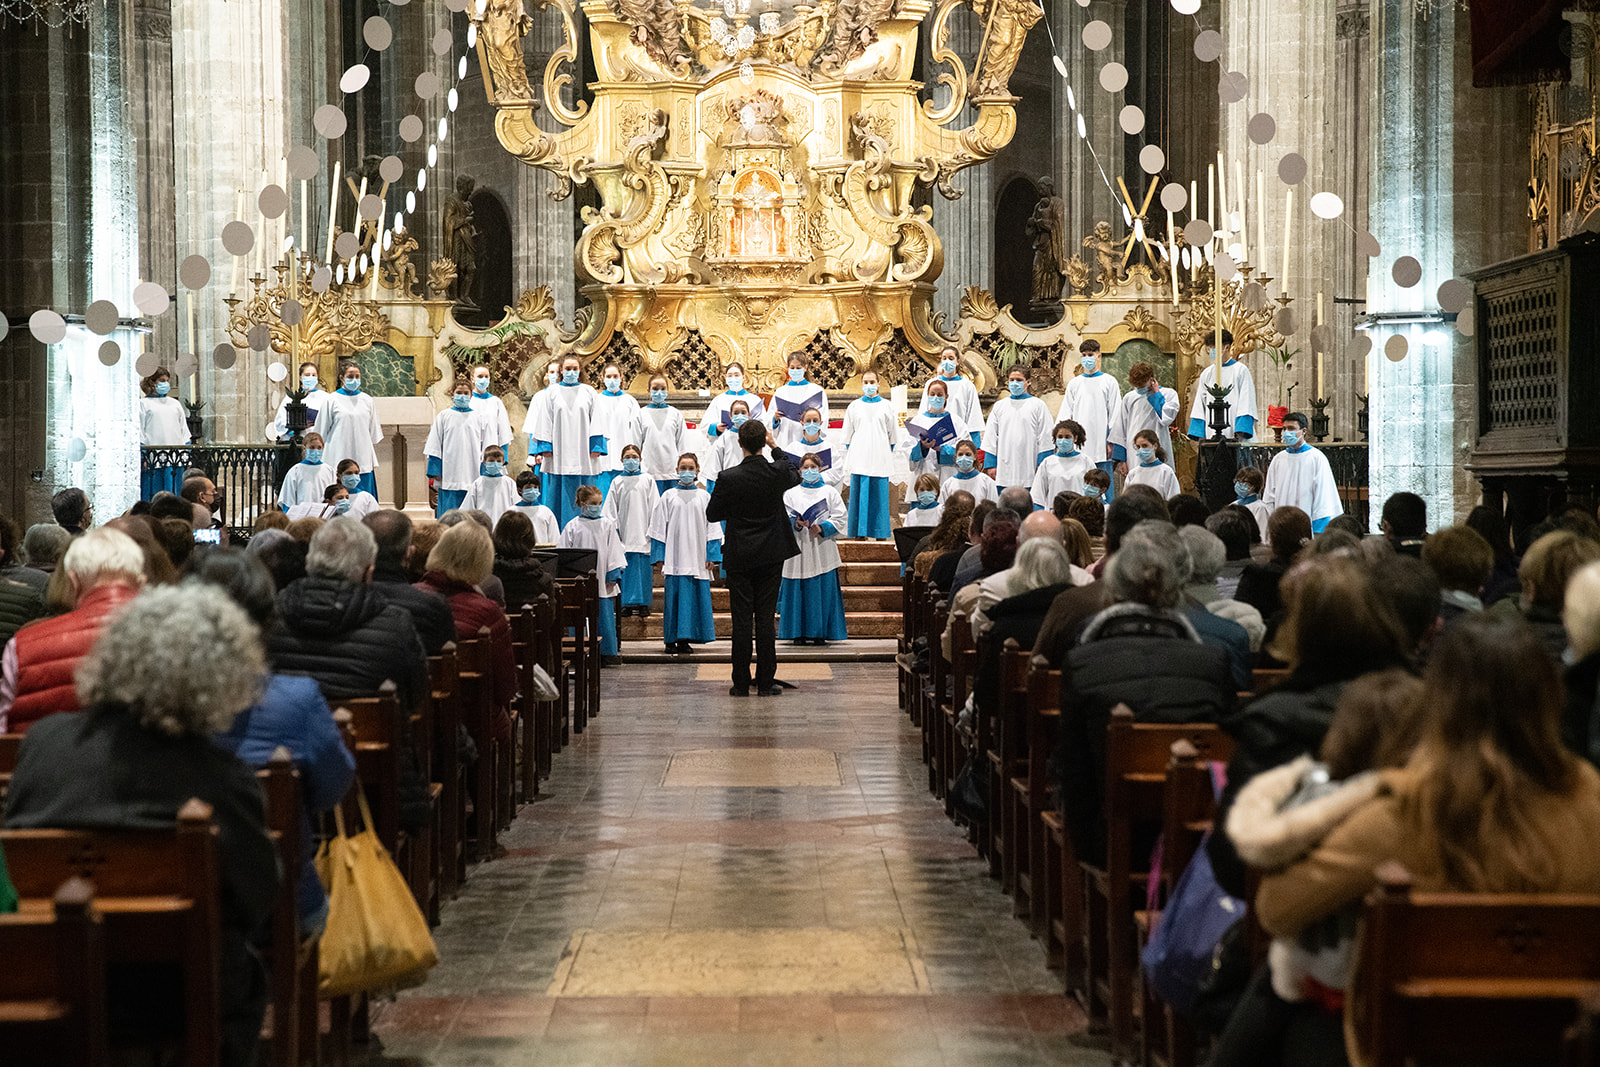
(457, 566)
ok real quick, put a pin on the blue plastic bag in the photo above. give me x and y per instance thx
(1178, 956)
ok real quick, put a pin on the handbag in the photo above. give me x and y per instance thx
(544, 686)
(376, 935)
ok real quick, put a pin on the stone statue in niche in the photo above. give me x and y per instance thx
(461, 243)
(1006, 26)
(1047, 233)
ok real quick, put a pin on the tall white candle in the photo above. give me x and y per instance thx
(1211, 195)
(194, 346)
(333, 206)
(1172, 254)
(1288, 224)
(1239, 189)
(1222, 198)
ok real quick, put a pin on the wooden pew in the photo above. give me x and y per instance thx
(280, 784)
(52, 986)
(575, 649)
(547, 647)
(908, 587)
(1485, 978)
(1582, 1043)
(450, 828)
(477, 709)
(591, 615)
(963, 667)
(10, 748)
(158, 891)
(935, 747)
(1005, 756)
(1137, 755)
(524, 642)
(1029, 795)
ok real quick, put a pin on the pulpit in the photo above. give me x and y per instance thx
(402, 469)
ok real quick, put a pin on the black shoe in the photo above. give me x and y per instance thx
(770, 691)
(739, 691)
(684, 649)
(610, 661)
(672, 649)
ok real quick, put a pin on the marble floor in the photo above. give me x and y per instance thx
(709, 916)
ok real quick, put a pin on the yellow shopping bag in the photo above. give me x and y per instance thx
(376, 935)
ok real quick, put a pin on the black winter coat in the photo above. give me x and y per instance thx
(19, 605)
(525, 581)
(350, 637)
(1151, 661)
(1019, 617)
(430, 613)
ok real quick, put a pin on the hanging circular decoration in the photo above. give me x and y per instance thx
(355, 79)
(1096, 35)
(391, 169)
(371, 207)
(302, 163)
(194, 272)
(1292, 169)
(1454, 294)
(77, 448)
(1396, 347)
(456, 5)
(1083, 130)
(444, 129)
(1321, 337)
(146, 364)
(185, 365)
(1174, 197)
(1227, 269)
(1361, 344)
(259, 337)
(224, 356)
(110, 353)
(441, 41)
(1152, 159)
(1406, 272)
(1208, 46)
(1467, 321)
(472, 29)
(5, 326)
(1113, 77)
(422, 179)
(1186, 7)
(151, 298)
(377, 32)
(238, 238)
(346, 245)
(277, 372)
(321, 278)
(427, 85)
(452, 99)
(433, 155)
(273, 201)
(461, 67)
(1253, 297)
(1283, 321)
(1233, 87)
(338, 274)
(411, 203)
(1197, 232)
(329, 121)
(291, 313)
(1061, 68)
(1262, 128)
(1368, 246)
(100, 317)
(411, 130)
(1327, 206)
(1131, 119)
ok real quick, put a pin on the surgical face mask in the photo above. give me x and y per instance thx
(530, 495)
(811, 476)
(1092, 492)
(869, 388)
(1142, 390)
(313, 456)
(936, 404)
(351, 482)
(493, 469)
(812, 429)
(947, 366)
(481, 385)
(352, 385)
(163, 388)
(1291, 438)
(927, 497)
(1241, 490)
(341, 506)
(687, 477)
(1089, 363)
(591, 511)
(461, 402)
(1018, 389)
(738, 420)
(964, 463)
(1066, 446)
(308, 383)
(613, 385)
(658, 396)
(1145, 454)
(736, 382)
(569, 377)
(631, 465)
(797, 374)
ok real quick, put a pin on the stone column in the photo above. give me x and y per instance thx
(149, 111)
(965, 226)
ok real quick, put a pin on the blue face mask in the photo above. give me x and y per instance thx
(1291, 438)
(630, 465)
(1089, 363)
(1145, 454)
(592, 511)
(493, 469)
(658, 396)
(936, 404)
(869, 388)
(340, 507)
(947, 366)
(738, 420)
(613, 386)
(687, 478)
(812, 430)
(927, 497)
(163, 388)
(1241, 490)
(530, 495)
(308, 384)
(797, 374)
(461, 402)
(351, 482)
(569, 377)
(1018, 389)
(352, 385)
(811, 476)
(1092, 492)
(964, 463)
(735, 383)
(313, 456)
(480, 386)
(1066, 446)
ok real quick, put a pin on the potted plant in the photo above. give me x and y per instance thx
(1283, 360)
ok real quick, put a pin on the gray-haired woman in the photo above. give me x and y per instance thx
(170, 669)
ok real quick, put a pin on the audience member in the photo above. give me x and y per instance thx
(942, 575)
(1405, 523)
(12, 552)
(165, 505)
(1547, 566)
(1188, 510)
(72, 511)
(158, 568)
(1016, 504)
(271, 519)
(430, 613)
(457, 566)
(1346, 524)
(1092, 514)
(1075, 539)
(1491, 525)
(1063, 500)
(19, 605)
(303, 530)
(948, 537)
(104, 570)
(517, 566)
(1462, 561)
(424, 535)
(282, 555)
(174, 667)
(1207, 558)
(1288, 531)
(1581, 615)
(1231, 529)
(43, 546)
(490, 586)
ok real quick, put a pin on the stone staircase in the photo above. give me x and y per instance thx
(869, 576)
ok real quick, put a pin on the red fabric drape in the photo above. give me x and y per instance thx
(1517, 42)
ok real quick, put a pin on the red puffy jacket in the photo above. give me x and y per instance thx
(48, 653)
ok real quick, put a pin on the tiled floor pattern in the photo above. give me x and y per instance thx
(711, 874)
(753, 768)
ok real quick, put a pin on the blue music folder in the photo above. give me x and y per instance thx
(796, 411)
(815, 511)
(940, 428)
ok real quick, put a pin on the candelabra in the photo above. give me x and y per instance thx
(1362, 417)
(1319, 418)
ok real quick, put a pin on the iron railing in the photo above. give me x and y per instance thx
(1347, 460)
(247, 476)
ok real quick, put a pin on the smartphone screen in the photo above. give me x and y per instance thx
(208, 537)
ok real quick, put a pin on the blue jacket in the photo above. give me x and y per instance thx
(1227, 635)
(292, 713)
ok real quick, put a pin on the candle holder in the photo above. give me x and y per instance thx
(1362, 415)
(1319, 418)
(1219, 409)
(295, 418)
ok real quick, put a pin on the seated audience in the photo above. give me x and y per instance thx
(424, 535)
(174, 667)
(521, 572)
(303, 530)
(1462, 560)
(72, 511)
(1405, 523)
(1002, 584)
(429, 612)
(43, 546)
(21, 601)
(490, 586)
(104, 570)
(271, 519)
(1200, 593)
(457, 566)
(999, 550)
(1230, 528)
(283, 556)
(1288, 531)
(1092, 514)
(167, 505)
(1075, 539)
(949, 535)
(942, 575)
(1547, 566)
(1016, 504)
(1188, 510)
(1346, 524)
(1491, 525)
(1581, 726)
(146, 532)
(13, 551)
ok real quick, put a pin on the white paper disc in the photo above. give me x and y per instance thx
(1368, 246)
(422, 179)
(411, 203)
(77, 448)
(461, 64)
(1096, 35)
(110, 353)
(1283, 321)
(303, 163)
(1233, 87)
(1396, 347)
(259, 337)
(1262, 128)
(224, 356)
(1406, 272)
(1174, 197)
(291, 313)
(185, 365)
(427, 85)
(195, 271)
(1327, 206)
(377, 32)
(146, 364)
(391, 169)
(1131, 119)
(151, 298)
(100, 317)
(444, 129)
(321, 278)
(277, 372)
(355, 79)
(1454, 294)
(1467, 321)
(1208, 46)
(1197, 232)
(1061, 68)
(273, 201)
(1152, 159)
(371, 207)
(451, 99)
(1113, 77)
(5, 326)
(1292, 169)
(1253, 297)
(329, 121)
(441, 41)
(1186, 7)
(346, 245)
(410, 132)
(238, 238)
(1227, 269)
(1361, 344)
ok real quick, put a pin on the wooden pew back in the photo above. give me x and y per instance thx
(52, 987)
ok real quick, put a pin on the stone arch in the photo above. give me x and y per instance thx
(1013, 258)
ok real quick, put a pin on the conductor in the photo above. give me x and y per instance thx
(749, 499)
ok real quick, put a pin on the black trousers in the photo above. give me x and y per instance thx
(753, 597)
